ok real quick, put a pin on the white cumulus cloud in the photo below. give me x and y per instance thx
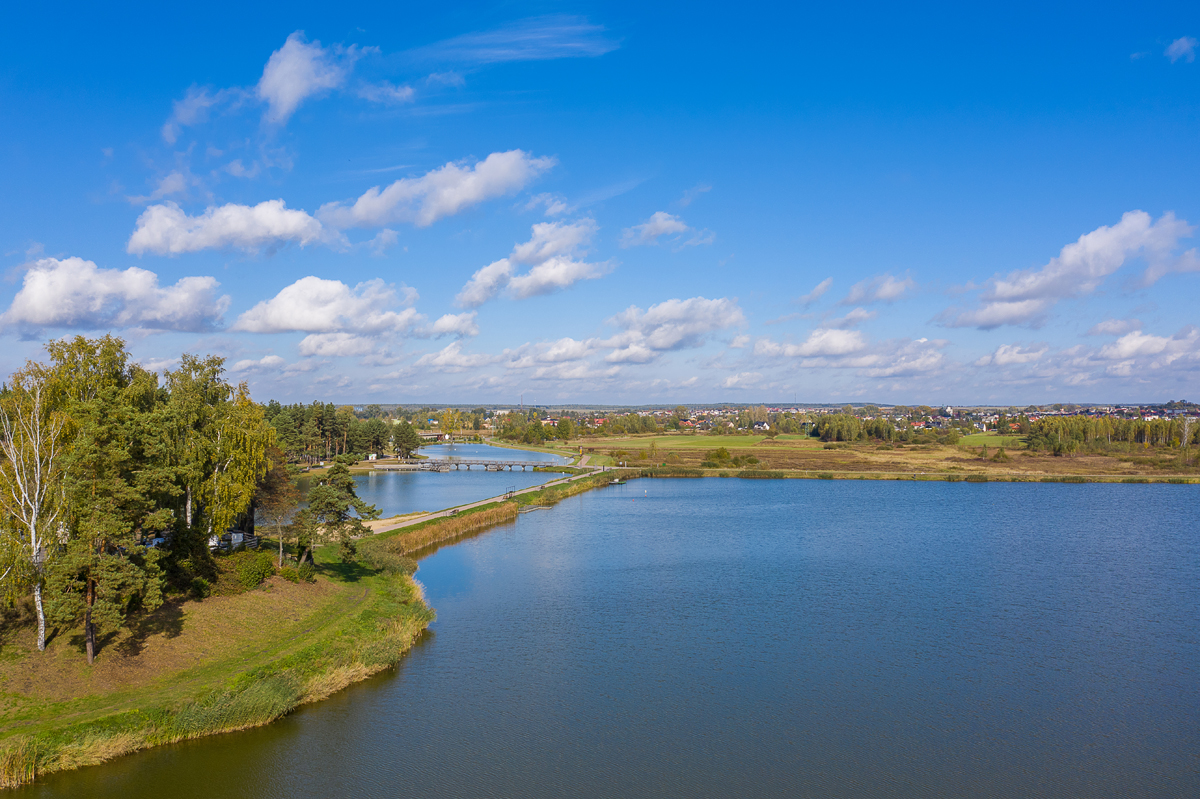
(671, 325)
(462, 324)
(452, 359)
(821, 343)
(1115, 327)
(299, 70)
(74, 293)
(316, 305)
(1182, 48)
(554, 251)
(1013, 354)
(166, 230)
(442, 192)
(883, 288)
(554, 275)
(817, 292)
(662, 224)
(1024, 296)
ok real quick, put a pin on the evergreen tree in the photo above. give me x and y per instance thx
(338, 509)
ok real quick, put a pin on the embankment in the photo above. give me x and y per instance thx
(364, 623)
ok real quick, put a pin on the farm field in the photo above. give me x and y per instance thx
(805, 454)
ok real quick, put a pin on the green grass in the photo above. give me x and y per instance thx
(664, 443)
(991, 440)
(364, 624)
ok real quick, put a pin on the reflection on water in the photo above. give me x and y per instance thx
(395, 493)
(698, 638)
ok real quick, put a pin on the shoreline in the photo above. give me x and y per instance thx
(263, 692)
(270, 690)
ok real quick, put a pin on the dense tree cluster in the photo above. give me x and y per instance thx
(1067, 435)
(101, 457)
(321, 431)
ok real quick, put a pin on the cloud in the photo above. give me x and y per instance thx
(816, 293)
(534, 39)
(909, 359)
(1114, 327)
(299, 70)
(671, 325)
(336, 345)
(883, 288)
(742, 380)
(691, 194)
(166, 230)
(553, 250)
(485, 284)
(821, 343)
(564, 350)
(553, 204)
(462, 324)
(1012, 354)
(1139, 344)
(386, 93)
(316, 305)
(1184, 47)
(440, 193)
(266, 363)
(1024, 296)
(659, 224)
(855, 317)
(194, 107)
(452, 359)
(172, 183)
(74, 293)
(554, 275)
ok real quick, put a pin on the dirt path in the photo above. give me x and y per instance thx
(383, 528)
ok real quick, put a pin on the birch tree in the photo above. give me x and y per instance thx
(31, 442)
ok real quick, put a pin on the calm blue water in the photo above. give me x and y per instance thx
(490, 453)
(395, 493)
(737, 638)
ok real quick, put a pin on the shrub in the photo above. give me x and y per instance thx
(1075, 478)
(953, 478)
(200, 587)
(307, 572)
(290, 574)
(377, 555)
(253, 570)
(977, 478)
(824, 475)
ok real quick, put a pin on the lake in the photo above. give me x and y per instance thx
(716, 638)
(396, 493)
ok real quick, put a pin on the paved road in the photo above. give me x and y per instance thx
(450, 511)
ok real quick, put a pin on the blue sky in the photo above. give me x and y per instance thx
(604, 203)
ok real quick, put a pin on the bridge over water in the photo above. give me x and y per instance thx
(440, 465)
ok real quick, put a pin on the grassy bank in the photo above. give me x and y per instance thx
(196, 668)
(995, 457)
(409, 540)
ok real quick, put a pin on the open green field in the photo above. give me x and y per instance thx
(992, 440)
(801, 456)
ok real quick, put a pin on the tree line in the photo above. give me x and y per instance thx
(102, 460)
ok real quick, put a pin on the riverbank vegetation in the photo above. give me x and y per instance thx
(1003, 457)
(131, 616)
(240, 658)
